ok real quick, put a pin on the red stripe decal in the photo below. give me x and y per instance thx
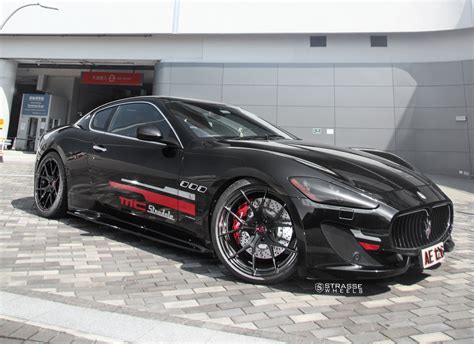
(186, 207)
(166, 201)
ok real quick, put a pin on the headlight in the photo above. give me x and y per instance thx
(324, 192)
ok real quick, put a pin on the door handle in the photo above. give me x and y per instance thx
(99, 148)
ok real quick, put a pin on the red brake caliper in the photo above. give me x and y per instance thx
(242, 212)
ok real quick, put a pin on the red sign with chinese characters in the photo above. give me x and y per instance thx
(112, 78)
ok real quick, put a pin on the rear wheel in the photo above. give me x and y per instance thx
(50, 186)
(253, 233)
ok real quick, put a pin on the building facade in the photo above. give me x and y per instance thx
(395, 76)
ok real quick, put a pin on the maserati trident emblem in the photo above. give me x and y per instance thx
(427, 224)
(423, 197)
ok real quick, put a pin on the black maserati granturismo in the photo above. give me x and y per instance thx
(210, 177)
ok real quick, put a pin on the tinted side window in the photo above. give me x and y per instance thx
(130, 116)
(102, 119)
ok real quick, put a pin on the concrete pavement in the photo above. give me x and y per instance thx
(104, 326)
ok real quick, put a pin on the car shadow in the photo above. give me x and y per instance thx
(209, 265)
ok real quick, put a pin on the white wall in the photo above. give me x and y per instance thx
(237, 16)
(402, 47)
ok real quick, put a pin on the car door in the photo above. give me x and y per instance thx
(77, 148)
(135, 180)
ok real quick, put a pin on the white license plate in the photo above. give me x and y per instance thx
(432, 255)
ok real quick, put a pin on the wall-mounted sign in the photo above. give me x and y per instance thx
(112, 78)
(35, 104)
(316, 131)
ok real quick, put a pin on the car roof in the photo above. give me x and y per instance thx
(162, 99)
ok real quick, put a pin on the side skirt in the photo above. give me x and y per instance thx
(140, 231)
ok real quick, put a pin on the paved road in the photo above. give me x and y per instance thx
(78, 263)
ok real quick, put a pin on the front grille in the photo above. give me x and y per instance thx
(412, 230)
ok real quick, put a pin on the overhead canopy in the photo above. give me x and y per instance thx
(234, 16)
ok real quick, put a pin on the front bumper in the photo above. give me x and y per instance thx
(398, 266)
(330, 243)
(356, 271)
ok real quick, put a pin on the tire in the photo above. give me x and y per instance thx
(261, 247)
(50, 188)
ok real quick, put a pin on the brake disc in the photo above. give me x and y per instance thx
(283, 233)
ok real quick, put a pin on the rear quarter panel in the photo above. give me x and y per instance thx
(73, 145)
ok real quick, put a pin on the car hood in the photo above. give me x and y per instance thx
(362, 170)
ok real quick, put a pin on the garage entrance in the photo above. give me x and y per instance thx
(77, 87)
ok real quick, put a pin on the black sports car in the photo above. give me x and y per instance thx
(213, 177)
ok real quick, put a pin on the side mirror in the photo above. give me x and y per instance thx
(152, 133)
(149, 133)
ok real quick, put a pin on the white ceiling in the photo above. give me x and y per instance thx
(141, 17)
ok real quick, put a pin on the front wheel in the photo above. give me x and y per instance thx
(253, 233)
(50, 186)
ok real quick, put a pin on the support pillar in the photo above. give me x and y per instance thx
(7, 88)
(156, 79)
(161, 79)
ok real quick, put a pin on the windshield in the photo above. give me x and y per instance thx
(212, 120)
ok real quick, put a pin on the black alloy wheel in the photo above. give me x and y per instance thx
(50, 186)
(253, 233)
